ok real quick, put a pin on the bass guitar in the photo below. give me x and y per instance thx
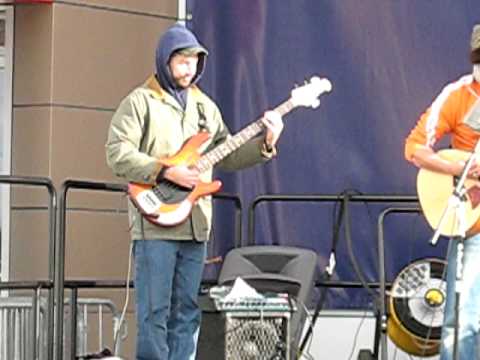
(168, 204)
(435, 190)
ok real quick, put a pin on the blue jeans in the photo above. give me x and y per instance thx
(469, 309)
(167, 280)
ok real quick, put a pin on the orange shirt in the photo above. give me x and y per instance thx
(446, 116)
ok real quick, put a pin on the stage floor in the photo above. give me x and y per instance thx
(341, 334)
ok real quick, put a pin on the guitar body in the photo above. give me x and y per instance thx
(168, 204)
(434, 191)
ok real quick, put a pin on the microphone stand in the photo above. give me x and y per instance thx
(457, 201)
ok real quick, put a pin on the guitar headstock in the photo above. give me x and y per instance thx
(307, 95)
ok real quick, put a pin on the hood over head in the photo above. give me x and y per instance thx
(178, 39)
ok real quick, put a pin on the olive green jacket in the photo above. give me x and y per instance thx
(148, 125)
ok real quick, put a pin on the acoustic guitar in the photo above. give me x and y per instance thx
(168, 204)
(435, 190)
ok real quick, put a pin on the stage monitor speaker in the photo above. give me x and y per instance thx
(277, 269)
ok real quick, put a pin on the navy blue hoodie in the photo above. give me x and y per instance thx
(176, 38)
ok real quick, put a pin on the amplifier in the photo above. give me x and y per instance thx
(273, 303)
(246, 329)
(257, 335)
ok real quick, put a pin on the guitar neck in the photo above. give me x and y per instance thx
(217, 154)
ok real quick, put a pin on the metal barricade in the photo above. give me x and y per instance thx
(91, 322)
(19, 317)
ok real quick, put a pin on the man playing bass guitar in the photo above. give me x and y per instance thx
(152, 123)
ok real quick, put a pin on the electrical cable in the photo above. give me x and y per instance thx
(357, 332)
(348, 237)
(360, 275)
(327, 274)
(306, 353)
(127, 298)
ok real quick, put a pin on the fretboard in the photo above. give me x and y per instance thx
(217, 154)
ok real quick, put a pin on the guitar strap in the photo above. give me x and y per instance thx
(202, 119)
(146, 126)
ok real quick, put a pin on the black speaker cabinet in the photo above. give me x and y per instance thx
(211, 340)
(243, 335)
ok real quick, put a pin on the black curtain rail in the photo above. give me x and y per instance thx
(331, 284)
(112, 284)
(26, 180)
(371, 198)
(349, 284)
(96, 284)
(385, 198)
(26, 285)
(92, 185)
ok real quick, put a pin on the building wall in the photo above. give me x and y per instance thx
(73, 63)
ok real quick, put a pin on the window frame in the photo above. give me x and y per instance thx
(7, 14)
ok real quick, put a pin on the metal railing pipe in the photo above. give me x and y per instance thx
(52, 210)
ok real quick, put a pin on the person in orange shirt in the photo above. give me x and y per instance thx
(456, 112)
